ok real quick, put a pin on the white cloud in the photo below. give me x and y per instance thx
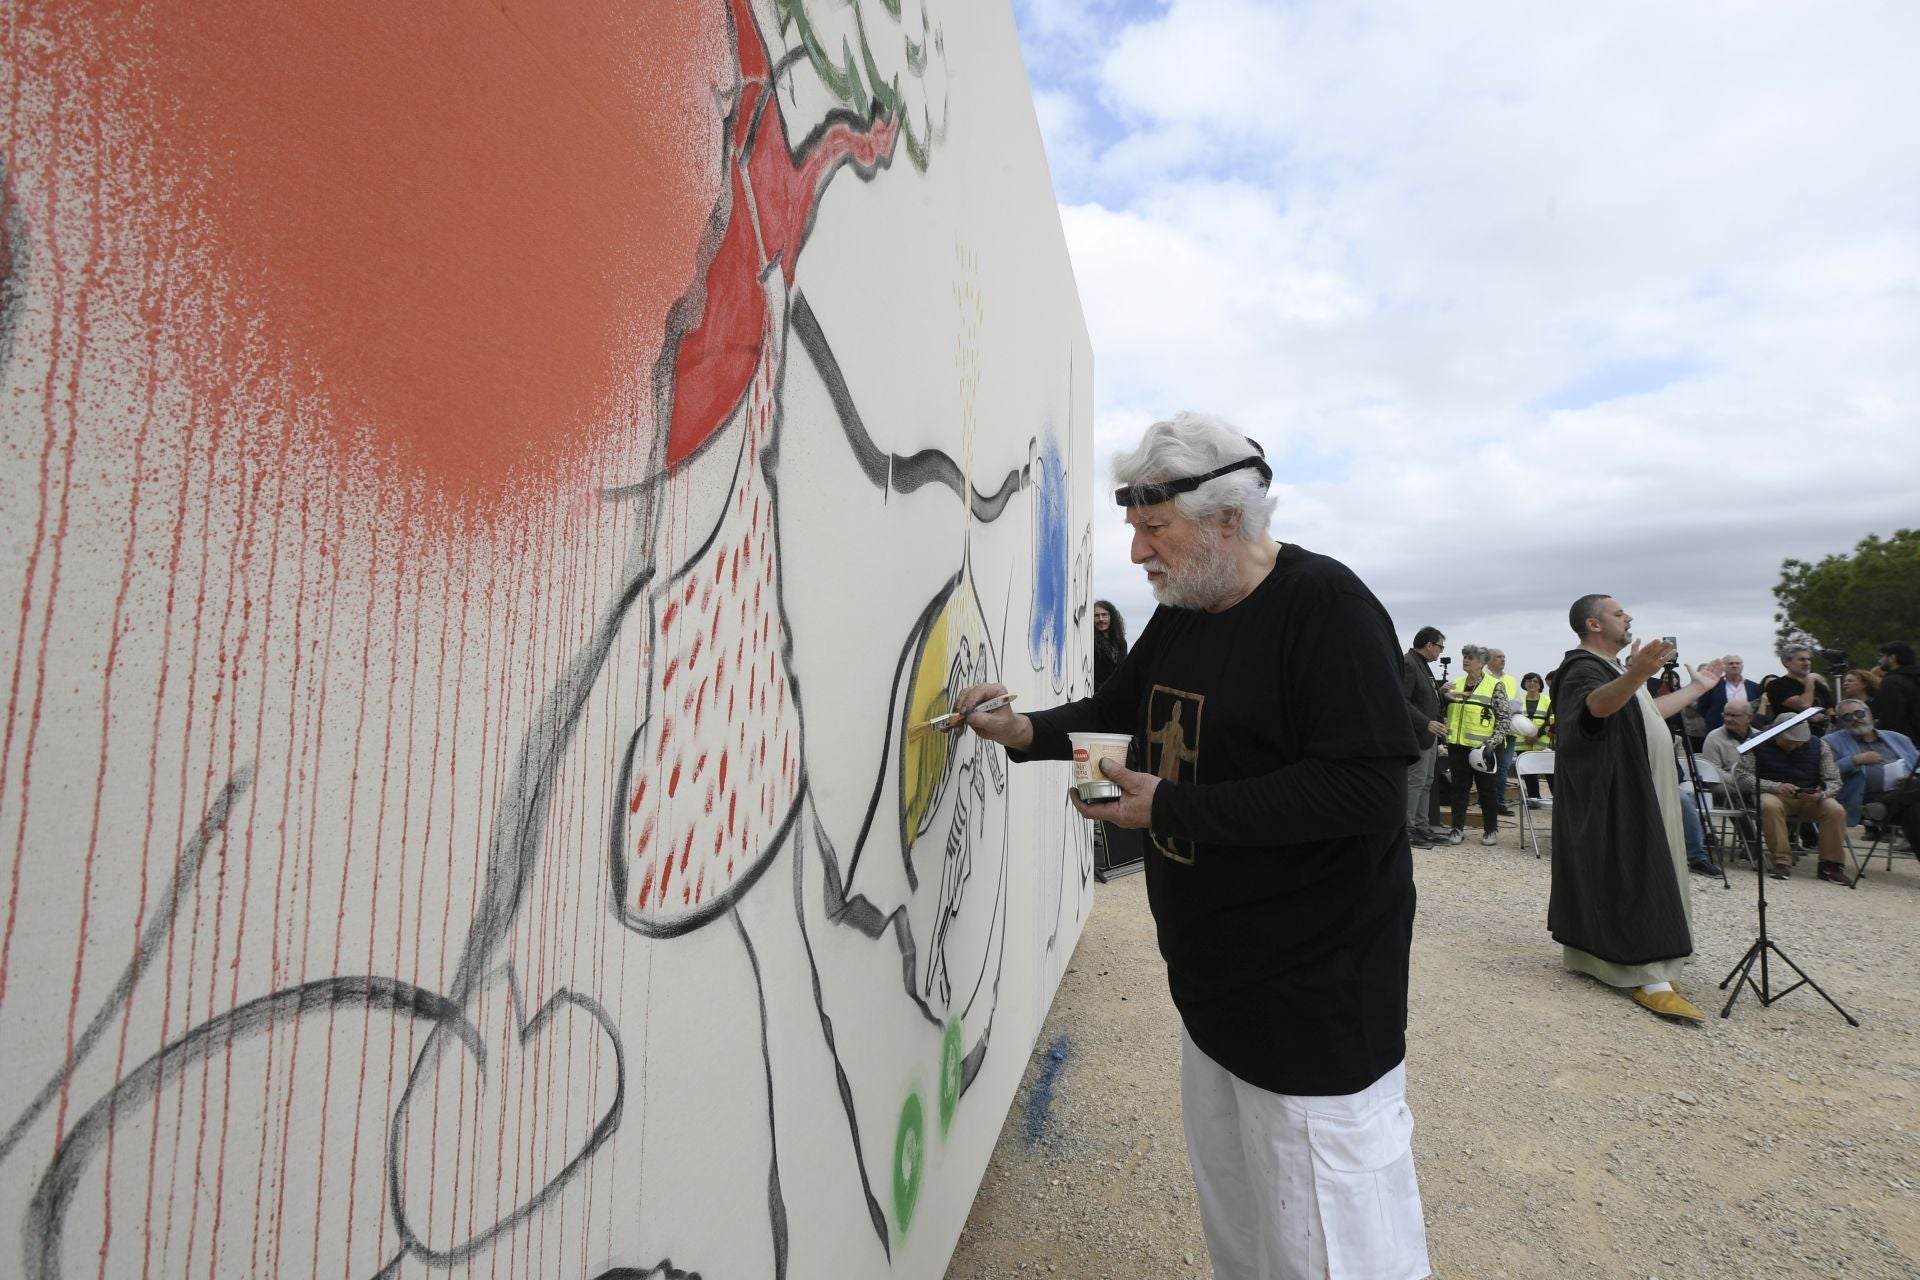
(1395, 233)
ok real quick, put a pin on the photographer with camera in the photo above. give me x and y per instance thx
(1798, 688)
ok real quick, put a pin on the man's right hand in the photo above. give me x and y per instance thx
(1788, 790)
(1437, 729)
(1866, 757)
(1003, 724)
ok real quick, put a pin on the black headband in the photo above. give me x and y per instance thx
(1152, 495)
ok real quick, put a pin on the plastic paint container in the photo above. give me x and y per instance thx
(1089, 749)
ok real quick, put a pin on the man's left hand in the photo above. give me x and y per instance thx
(1133, 809)
(1709, 673)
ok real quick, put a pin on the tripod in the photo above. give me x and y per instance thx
(1692, 763)
(1741, 975)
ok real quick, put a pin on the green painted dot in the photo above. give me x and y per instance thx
(950, 1062)
(909, 1151)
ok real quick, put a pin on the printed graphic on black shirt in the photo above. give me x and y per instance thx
(1173, 750)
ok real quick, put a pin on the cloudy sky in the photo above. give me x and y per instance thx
(1523, 300)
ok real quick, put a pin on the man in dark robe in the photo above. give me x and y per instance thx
(1620, 903)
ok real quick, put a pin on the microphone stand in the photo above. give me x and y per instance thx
(1741, 975)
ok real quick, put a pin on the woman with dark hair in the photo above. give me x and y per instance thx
(1537, 706)
(1109, 640)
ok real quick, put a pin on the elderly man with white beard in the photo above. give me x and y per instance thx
(1264, 701)
(1873, 762)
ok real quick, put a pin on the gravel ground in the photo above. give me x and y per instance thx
(1562, 1130)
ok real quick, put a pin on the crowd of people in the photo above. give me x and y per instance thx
(1285, 759)
(1835, 761)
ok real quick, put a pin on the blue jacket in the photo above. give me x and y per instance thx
(1846, 746)
(1713, 703)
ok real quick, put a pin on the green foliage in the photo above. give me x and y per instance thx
(1855, 602)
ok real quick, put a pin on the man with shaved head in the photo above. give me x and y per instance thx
(1620, 905)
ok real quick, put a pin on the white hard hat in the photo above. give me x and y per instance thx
(1524, 727)
(1485, 759)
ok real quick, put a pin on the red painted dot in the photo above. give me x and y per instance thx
(639, 794)
(673, 782)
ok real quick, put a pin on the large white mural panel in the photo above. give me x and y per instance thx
(488, 493)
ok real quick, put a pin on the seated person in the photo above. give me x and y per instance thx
(1794, 776)
(1872, 761)
(1902, 808)
(1722, 747)
(1699, 861)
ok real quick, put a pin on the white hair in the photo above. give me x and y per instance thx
(1474, 651)
(1853, 702)
(1192, 444)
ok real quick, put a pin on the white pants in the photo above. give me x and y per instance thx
(1300, 1188)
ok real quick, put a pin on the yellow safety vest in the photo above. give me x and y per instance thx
(1539, 716)
(1471, 723)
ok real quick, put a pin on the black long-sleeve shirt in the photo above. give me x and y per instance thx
(1278, 868)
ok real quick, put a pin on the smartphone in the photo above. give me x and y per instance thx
(1670, 640)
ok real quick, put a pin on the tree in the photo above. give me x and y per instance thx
(1855, 602)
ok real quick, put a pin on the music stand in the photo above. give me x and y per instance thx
(1741, 975)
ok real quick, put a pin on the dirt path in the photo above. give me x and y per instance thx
(1562, 1132)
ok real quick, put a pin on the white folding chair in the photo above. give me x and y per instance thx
(1532, 764)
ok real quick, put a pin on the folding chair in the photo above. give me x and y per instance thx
(1721, 816)
(1536, 764)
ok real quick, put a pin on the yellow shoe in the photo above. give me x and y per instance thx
(1668, 1004)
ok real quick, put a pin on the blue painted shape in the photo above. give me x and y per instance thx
(1047, 625)
(1040, 1096)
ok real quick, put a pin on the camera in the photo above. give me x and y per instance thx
(1835, 660)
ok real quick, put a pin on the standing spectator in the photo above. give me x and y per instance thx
(1278, 871)
(1620, 905)
(1109, 640)
(1537, 705)
(1872, 761)
(1477, 717)
(1897, 706)
(1510, 690)
(1423, 709)
(1795, 690)
(1793, 776)
(1733, 687)
(1862, 683)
